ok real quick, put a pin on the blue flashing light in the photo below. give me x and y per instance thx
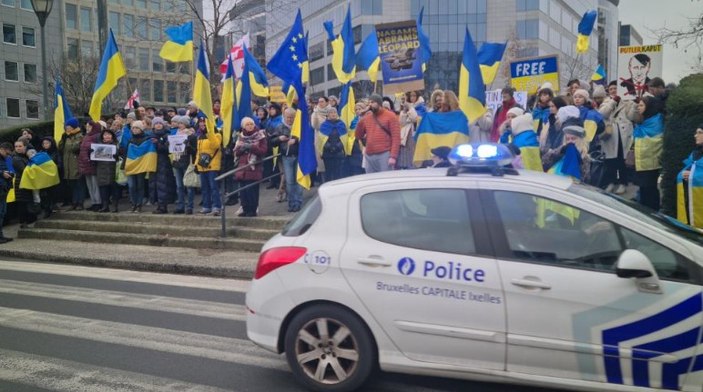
(481, 155)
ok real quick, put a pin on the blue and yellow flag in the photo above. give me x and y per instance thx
(489, 56)
(201, 90)
(228, 108)
(689, 194)
(368, 58)
(61, 111)
(242, 106)
(111, 70)
(290, 62)
(599, 76)
(584, 30)
(41, 173)
(179, 46)
(472, 90)
(343, 57)
(140, 158)
(439, 129)
(257, 77)
(301, 129)
(347, 102)
(425, 50)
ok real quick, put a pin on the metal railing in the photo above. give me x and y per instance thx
(224, 196)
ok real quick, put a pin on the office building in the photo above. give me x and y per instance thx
(629, 36)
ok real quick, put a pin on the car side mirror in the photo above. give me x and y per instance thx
(634, 264)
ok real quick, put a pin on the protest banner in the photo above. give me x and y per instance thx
(637, 65)
(177, 143)
(494, 99)
(529, 74)
(103, 152)
(398, 47)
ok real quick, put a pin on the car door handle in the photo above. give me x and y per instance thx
(373, 262)
(531, 284)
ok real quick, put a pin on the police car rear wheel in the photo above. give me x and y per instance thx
(329, 349)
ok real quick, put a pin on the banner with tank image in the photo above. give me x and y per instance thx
(398, 47)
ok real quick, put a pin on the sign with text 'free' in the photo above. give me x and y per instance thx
(529, 74)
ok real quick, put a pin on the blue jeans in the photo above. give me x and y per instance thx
(181, 191)
(295, 192)
(211, 192)
(77, 191)
(136, 184)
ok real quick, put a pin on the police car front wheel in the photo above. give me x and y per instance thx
(329, 349)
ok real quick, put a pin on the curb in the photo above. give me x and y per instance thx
(171, 268)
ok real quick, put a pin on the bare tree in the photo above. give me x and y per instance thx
(690, 37)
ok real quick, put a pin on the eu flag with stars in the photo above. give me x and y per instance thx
(290, 62)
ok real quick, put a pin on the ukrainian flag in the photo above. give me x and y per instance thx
(111, 70)
(301, 129)
(689, 210)
(41, 173)
(584, 30)
(61, 111)
(343, 58)
(347, 102)
(179, 46)
(438, 129)
(228, 104)
(425, 50)
(599, 75)
(140, 158)
(368, 58)
(472, 93)
(257, 76)
(201, 90)
(489, 56)
(243, 102)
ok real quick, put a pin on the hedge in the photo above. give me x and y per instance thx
(684, 114)
(41, 129)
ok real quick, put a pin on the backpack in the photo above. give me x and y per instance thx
(333, 148)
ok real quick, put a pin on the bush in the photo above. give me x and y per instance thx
(41, 129)
(684, 114)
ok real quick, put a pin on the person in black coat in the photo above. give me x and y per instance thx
(162, 184)
(23, 197)
(49, 196)
(5, 185)
(440, 156)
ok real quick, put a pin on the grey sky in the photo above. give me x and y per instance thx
(648, 15)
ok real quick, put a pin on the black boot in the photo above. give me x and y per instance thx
(114, 206)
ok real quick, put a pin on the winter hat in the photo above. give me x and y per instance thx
(103, 124)
(545, 86)
(95, 126)
(185, 120)
(158, 120)
(132, 115)
(376, 98)
(72, 122)
(569, 111)
(192, 103)
(182, 112)
(599, 92)
(138, 124)
(521, 123)
(333, 97)
(442, 151)
(582, 92)
(574, 130)
(516, 111)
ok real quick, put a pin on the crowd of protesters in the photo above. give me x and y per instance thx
(615, 140)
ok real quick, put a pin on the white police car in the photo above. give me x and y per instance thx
(518, 277)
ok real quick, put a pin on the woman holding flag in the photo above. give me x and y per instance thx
(23, 197)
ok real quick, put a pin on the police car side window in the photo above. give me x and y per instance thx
(549, 232)
(666, 262)
(429, 219)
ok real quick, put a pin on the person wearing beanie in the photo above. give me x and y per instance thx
(105, 173)
(136, 173)
(49, 196)
(69, 148)
(572, 152)
(440, 156)
(334, 102)
(565, 116)
(208, 160)
(181, 162)
(525, 138)
(505, 131)
(592, 120)
(549, 135)
(379, 131)
(87, 167)
(501, 113)
(162, 183)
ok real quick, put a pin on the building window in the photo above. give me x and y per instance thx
(527, 5)
(141, 27)
(356, 33)
(11, 72)
(330, 73)
(155, 5)
(528, 29)
(32, 108)
(71, 16)
(72, 48)
(130, 56)
(141, 4)
(159, 90)
(170, 67)
(128, 25)
(155, 29)
(316, 51)
(30, 73)
(157, 64)
(145, 89)
(13, 107)
(115, 22)
(317, 76)
(26, 5)
(28, 37)
(86, 19)
(143, 59)
(8, 34)
(371, 7)
(171, 92)
(9, 3)
(87, 48)
(185, 92)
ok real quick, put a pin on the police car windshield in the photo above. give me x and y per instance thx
(636, 210)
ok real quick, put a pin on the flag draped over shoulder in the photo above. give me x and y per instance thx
(201, 90)
(140, 158)
(301, 129)
(111, 70)
(228, 103)
(61, 111)
(584, 30)
(257, 77)
(689, 194)
(472, 90)
(425, 50)
(179, 46)
(368, 58)
(347, 102)
(41, 172)
(343, 57)
(489, 57)
(439, 129)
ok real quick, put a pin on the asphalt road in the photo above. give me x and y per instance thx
(68, 328)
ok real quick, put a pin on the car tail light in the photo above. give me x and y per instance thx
(277, 257)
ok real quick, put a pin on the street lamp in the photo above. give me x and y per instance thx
(42, 8)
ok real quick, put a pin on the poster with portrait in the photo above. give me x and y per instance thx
(103, 152)
(399, 50)
(637, 65)
(177, 143)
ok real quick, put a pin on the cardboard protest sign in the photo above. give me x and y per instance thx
(494, 99)
(529, 74)
(398, 47)
(637, 65)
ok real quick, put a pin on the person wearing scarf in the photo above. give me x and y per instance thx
(249, 149)
(502, 112)
(69, 148)
(689, 185)
(571, 159)
(541, 110)
(525, 138)
(333, 137)
(649, 143)
(162, 184)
